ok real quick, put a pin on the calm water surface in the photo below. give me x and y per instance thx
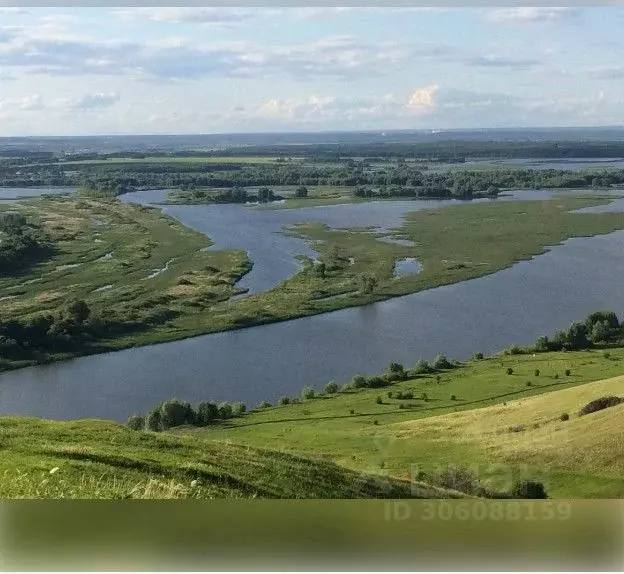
(262, 363)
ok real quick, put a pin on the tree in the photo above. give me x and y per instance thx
(225, 410)
(154, 419)
(577, 336)
(368, 283)
(600, 332)
(308, 393)
(136, 422)
(395, 368)
(529, 489)
(441, 362)
(542, 344)
(331, 388)
(239, 409)
(207, 412)
(301, 191)
(265, 195)
(176, 413)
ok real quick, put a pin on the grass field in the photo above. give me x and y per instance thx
(99, 459)
(331, 446)
(466, 421)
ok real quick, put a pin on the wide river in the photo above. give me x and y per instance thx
(262, 363)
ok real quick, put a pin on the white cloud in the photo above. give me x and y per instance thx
(529, 14)
(423, 99)
(191, 15)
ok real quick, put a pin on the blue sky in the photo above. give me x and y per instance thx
(206, 70)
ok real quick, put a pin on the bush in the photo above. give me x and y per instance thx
(606, 355)
(390, 394)
(453, 398)
(528, 489)
(351, 412)
(401, 406)
(564, 417)
(375, 422)
(536, 372)
(153, 421)
(206, 413)
(514, 350)
(438, 379)
(136, 422)
(422, 367)
(225, 410)
(556, 375)
(377, 382)
(395, 368)
(529, 384)
(424, 397)
(176, 413)
(239, 409)
(284, 401)
(263, 405)
(542, 345)
(441, 362)
(600, 404)
(308, 393)
(478, 356)
(331, 388)
(358, 382)
(568, 372)
(509, 371)
(461, 479)
(379, 400)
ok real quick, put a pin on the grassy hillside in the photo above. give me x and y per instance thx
(347, 445)
(99, 459)
(352, 429)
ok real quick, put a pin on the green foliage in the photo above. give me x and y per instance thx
(153, 421)
(207, 413)
(239, 409)
(284, 401)
(600, 404)
(536, 372)
(509, 371)
(478, 356)
(225, 410)
(568, 372)
(396, 368)
(308, 393)
(264, 405)
(441, 362)
(176, 413)
(358, 382)
(564, 417)
(331, 388)
(136, 422)
(301, 191)
(422, 367)
(368, 284)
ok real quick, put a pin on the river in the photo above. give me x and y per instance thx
(262, 363)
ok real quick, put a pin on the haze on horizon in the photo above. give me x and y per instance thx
(84, 71)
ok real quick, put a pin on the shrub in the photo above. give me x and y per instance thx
(478, 356)
(424, 397)
(461, 479)
(331, 388)
(358, 382)
(600, 404)
(225, 410)
(606, 355)
(453, 398)
(153, 421)
(556, 375)
(175, 413)
(438, 379)
(422, 367)
(308, 393)
(263, 405)
(284, 401)
(395, 368)
(379, 400)
(529, 384)
(542, 344)
(136, 422)
(239, 409)
(564, 417)
(514, 350)
(390, 394)
(351, 412)
(207, 412)
(375, 422)
(528, 489)
(408, 395)
(441, 362)
(377, 382)
(517, 428)
(509, 371)
(536, 372)
(401, 406)
(568, 372)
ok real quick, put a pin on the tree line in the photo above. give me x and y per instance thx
(21, 242)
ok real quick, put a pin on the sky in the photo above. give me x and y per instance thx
(157, 70)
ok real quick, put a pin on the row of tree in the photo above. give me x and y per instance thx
(21, 242)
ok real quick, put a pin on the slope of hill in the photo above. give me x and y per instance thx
(99, 459)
